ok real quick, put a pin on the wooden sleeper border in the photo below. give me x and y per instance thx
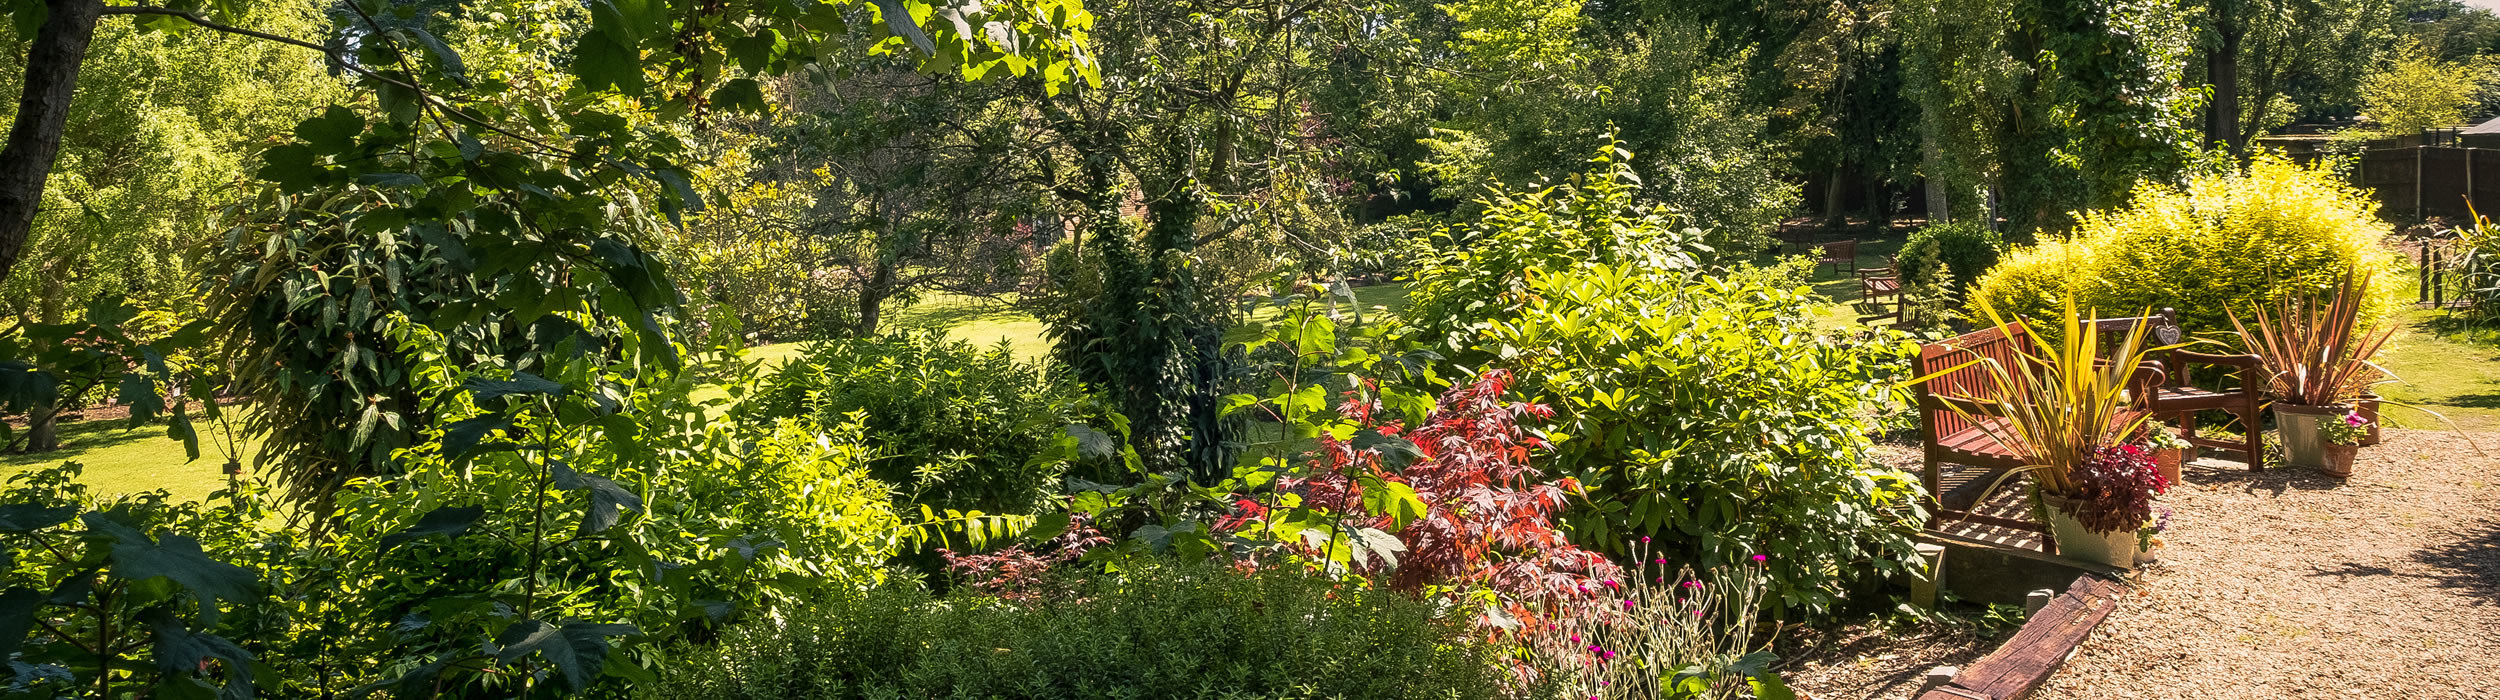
(2045, 641)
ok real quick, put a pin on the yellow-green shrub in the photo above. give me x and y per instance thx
(2223, 241)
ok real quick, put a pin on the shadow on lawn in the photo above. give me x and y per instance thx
(88, 435)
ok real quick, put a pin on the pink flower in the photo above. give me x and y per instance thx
(1575, 639)
(1758, 558)
(1644, 540)
(2354, 419)
(1696, 613)
(1627, 605)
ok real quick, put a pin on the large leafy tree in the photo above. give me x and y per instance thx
(1531, 87)
(504, 203)
(672, 55)
(154, 147)
(1225, 132)
(2055, 105)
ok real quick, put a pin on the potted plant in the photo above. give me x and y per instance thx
(2169, 451)
(2317, 360)
(2108, 502)
(2343, 440)
(2064, 409)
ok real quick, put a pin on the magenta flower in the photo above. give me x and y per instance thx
(1696, 613)
(1760, 558)
(1575, 639)
(1644, 540)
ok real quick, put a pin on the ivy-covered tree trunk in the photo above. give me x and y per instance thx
(52, 63)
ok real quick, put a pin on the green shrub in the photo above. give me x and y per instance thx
(1711, 415)
(1481, 271)
(960, 427)
(1176, 632)
(2228, 241)
(1963, 249)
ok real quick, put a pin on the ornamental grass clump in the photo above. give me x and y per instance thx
(2063, 405)
(2318, 356)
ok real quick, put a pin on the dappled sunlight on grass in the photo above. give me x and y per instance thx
(123, 460)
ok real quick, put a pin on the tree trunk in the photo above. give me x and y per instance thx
(52, 63)
(1834, 198)
(1931, 161)
(872, 296)
(2222, 71)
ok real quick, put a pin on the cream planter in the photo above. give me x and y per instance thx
(2074, 541)
(2297, 427)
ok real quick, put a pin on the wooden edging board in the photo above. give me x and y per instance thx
(2025, 661)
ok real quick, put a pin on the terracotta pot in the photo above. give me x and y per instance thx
(2074, 541)
(2168, 462)
(2339, 460)
(2296, 428)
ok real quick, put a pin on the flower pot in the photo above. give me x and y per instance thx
(2168, 462)
(2296, 428)
(2339, 460)
(2074, 541)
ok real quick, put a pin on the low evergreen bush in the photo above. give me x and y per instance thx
(1162, 632)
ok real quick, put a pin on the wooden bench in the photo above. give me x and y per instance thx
(1877, 283)
(2179, 399)
(1958, 422)
(1838, 253)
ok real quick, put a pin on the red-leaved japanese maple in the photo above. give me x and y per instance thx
(1489, 520)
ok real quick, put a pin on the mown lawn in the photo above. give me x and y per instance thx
(123, 460)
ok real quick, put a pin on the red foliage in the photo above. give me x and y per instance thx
(1018, 573)
(1490, 521)
(2115, 488)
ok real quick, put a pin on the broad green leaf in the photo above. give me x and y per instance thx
(606, 497)
(23, 518)
(448, 521)
(176, 558)
(521, 384)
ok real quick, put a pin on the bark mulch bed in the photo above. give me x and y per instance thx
(2290, 584)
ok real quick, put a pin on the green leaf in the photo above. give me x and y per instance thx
(182, 652)
(448, 521)
(22, 518)
(1768, 686)
(576, 649)
(445, 58)
(333, 132)
(1395, 452)
(521, 384)
(606, 497)
(743, 95)
(17, 617)
(176, 558)
(291, 167)
(604, 61)
(462, 437)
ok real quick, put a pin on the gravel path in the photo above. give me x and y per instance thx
(2288, 584)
